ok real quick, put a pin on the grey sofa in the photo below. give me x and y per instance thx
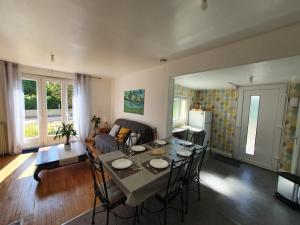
(106, 143)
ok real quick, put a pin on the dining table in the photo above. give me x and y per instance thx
(141, 181)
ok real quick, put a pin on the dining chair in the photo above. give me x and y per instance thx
(196, 137)
(107, 192)
(193, 172)
(180, 135)
(174, 187)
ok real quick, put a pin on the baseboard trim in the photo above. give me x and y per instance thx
(219, 152)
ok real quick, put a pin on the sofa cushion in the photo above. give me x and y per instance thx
(146, 131)
(114, 130)
(106, 143)
(123, 134)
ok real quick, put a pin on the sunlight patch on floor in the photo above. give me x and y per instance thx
(228, 186)
(13, 165)
(28, 172)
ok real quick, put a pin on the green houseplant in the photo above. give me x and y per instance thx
(65, 130)
(96, 122)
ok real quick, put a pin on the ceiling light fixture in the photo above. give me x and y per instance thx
(204, 5)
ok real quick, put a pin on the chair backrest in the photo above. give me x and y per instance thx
(195, 163)
(176, 175)
(196, 137)
(180, 135)
(99, 180)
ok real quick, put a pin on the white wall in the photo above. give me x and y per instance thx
(276, 44)
(101, 99)
(155, 84)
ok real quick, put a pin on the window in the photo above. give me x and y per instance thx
(47, 102)
(180, 110)
(252, 124)
(31, 123)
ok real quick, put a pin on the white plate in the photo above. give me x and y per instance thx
(138, 148)
(121, 163)
(159, 163)
(184, 153)
(160, 142)
(186, 143)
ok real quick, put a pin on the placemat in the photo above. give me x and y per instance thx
(126, 151)
(154, 170)
(122, 173)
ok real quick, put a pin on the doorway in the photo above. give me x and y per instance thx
(47, 102)
(260, 123)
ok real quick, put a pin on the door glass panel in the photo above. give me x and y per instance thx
(31, 123)
(54, 111)
(70, 103)
(252, 124)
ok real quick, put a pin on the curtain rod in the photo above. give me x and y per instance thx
(34, 74)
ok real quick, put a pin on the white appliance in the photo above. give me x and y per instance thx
(201, 120)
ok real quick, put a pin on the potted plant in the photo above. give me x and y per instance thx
(96, 122)
(67, 131)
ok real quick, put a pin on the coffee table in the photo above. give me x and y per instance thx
(57, 156)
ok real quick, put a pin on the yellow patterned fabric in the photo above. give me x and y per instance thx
(223, 103)
(123, 134)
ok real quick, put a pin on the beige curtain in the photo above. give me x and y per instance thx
(81, 104)
(14, 105)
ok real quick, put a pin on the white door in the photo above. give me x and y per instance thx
(261, 117)
(48, 103)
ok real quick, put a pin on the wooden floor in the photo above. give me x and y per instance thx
(63, 193)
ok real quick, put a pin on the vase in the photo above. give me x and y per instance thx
(67, 147)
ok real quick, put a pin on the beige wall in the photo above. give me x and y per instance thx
(101, 99)
(276, 44)
(155, 82)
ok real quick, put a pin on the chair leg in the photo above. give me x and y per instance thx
(187, 198)
(136, 215)
(198, 184)
(142, 208)
(165, 214)
(107, 217)
(94, 210)
(182, 210)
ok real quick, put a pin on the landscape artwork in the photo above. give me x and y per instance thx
(134, 101)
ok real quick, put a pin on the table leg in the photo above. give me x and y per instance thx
(36, 174)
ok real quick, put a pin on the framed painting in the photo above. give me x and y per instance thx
(134, 101)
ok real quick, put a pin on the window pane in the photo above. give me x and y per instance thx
(70, 102)
(175, 109)
(31, 126)
(54, 112)
(252, 124)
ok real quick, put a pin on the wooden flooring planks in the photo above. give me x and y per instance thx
(63, 193)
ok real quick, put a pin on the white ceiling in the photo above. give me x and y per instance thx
(274, 71)
(115, 37)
